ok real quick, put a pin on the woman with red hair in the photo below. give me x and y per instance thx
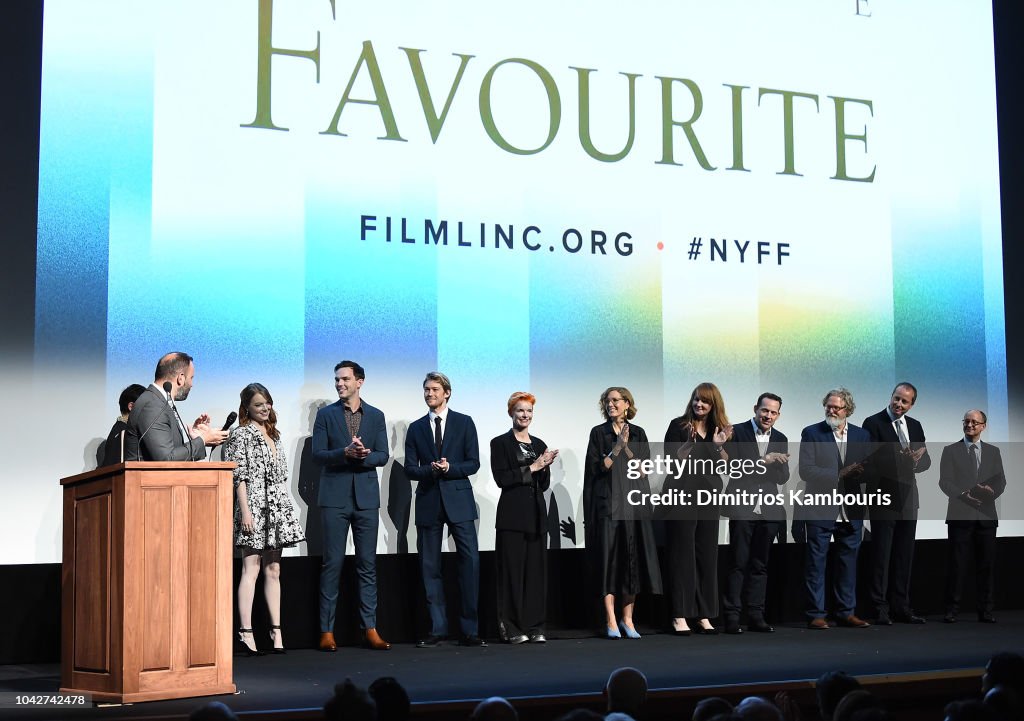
(520, 466)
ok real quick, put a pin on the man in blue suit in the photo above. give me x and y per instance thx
(832, 460)
(441, 453)
(350, 442)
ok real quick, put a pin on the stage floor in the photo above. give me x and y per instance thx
(304, 679)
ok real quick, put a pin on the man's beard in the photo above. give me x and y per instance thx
(182, 394)
(834, 422)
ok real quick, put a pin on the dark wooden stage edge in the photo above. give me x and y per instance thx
(915, 669)
(33, 614)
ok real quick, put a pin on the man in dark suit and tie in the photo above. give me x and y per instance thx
(441, 453)
(753, 527)
(351, 443)
(832, 460)
(971, 474)
(899, 455)
(155, 430)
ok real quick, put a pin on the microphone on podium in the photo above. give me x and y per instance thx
(232, 417)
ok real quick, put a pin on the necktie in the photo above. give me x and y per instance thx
(437, 434)
(973, 451)
(902, 434)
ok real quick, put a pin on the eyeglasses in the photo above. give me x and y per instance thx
(974, 423)
(835, 408)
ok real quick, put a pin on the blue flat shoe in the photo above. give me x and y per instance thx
(627, 631)
(612, 633)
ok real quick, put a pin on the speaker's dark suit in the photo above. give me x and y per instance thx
(750, 533)
(446, 498)
(967, 523)
(152, 421)
(820, 464)
(349, 496)
(893, 527)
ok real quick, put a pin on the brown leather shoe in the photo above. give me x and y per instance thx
(818, 624)
(374, 641)
(852, 621)
(327, 642)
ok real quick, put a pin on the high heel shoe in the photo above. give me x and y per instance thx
(627, 631)
(685, 631)
(708, 630)
(273, 639)
(612, 633)
(247, 649)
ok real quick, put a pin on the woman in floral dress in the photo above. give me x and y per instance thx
(265, 518)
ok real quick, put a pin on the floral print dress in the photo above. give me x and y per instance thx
(265, 474)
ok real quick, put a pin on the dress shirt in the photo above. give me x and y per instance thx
(762, 438)
(443, 415)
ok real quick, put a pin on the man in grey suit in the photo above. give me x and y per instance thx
(971, 475)
(155, 432)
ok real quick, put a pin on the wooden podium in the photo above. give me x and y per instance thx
(146, 581)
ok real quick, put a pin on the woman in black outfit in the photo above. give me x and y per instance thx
(620, 542)
(699, 434)
(520, 465)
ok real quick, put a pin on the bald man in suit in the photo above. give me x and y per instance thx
(971, 475)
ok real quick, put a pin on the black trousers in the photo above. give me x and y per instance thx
(522, 574)
(750, 542)
(892, 559)
(693, 568)
(962, 536)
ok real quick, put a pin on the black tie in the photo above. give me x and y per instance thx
(437, 434)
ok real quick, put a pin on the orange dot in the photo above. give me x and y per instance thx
(661, 246)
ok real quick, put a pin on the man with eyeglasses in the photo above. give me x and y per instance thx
(833, 456)
(971, 474)
(899, 455)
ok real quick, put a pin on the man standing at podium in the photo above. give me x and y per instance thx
(155, 431)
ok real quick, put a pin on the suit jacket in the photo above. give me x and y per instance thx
(893, 472)
(703, 451)
(521, 506)
(820, 465)
(109, 452)
(957, 474)
(605, 489)
(154, 433)
(452, 489)
(743, 446)
(340, 476)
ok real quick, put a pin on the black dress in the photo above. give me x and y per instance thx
(692, 537)
(621, 551)
(520, 554)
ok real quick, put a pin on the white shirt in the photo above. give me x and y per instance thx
(443, 415)
(896, 423)
(762, 437)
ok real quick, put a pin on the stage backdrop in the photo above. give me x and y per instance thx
(553, 197)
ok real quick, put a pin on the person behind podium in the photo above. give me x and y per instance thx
(265, 518)
(155, 431)
(520, 466)
(112, 450)
(621, 549)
